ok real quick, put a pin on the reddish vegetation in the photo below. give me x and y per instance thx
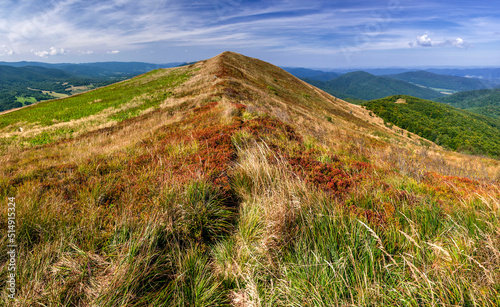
(324, 175)
(449, 186)
(215, 150)
(211, 159)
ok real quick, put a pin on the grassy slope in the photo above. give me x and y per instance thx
(362, 85)
(249, 187)
(453, 128)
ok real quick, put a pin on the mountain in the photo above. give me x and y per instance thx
(375, 71)
(441, 82)
(450, 127)
(311, 73)
(363, 85)
(230, 182)
(98, 69)
(480, 73)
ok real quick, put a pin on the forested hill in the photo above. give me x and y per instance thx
(486, 101)
(363, 85)
(452, 128)
(20, 86)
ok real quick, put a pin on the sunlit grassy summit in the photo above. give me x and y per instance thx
(229, 182)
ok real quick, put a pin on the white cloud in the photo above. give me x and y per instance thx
(85, 52)
(114, 51)
(6, 51)
(51, 52)
(426, 41)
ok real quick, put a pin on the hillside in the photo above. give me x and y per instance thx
(486, 101)
(230, 182)
(20, 86)
(450, 127)
(362, 85)
(441, 83)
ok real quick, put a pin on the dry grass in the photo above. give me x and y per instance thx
(238, 191)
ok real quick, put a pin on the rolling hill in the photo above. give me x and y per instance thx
(450, 127)
(311, 73)
(365, 86)
(230, 182)
(486, 101)
(441, 83)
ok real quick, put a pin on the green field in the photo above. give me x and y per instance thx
(26, 100)
(151, 92)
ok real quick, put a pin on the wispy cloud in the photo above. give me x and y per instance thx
(93, 29)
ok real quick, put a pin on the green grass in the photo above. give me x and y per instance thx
(236, 208)
(26, 100)
(154, 90)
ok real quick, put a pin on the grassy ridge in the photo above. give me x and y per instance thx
(218, 203)
(453, 128)
(172, 222)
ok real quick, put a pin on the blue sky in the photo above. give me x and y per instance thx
(312, 33)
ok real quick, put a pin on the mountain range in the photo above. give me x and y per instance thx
(98, 69)
(442, 82)
(230, 182)
(361, 85)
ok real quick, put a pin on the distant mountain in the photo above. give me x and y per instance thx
(99, 69)
(363, 85)
(15, 75)
(480, 73)
(486, 101)
(311, 73)
(375, 71)
(452, 128)
(441, 82)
